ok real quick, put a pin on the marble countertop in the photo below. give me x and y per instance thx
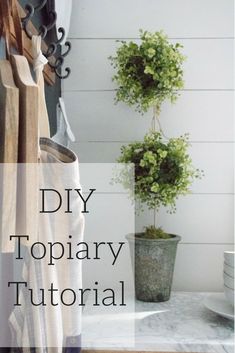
(182, 324)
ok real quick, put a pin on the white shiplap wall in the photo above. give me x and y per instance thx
(204, 218)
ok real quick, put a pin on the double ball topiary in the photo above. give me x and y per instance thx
(163, 170)
(149, 72)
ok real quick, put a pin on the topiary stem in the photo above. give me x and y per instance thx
(155, 121)
(154, 118)
(154, 217)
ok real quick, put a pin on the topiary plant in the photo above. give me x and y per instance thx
(149, 72)
(163, 171)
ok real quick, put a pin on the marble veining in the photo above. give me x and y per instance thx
(182, 324)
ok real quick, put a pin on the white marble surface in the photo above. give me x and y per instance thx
(182, 324)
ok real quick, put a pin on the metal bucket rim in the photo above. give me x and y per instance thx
(132, 237)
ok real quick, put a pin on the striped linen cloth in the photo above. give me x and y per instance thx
(45, 326)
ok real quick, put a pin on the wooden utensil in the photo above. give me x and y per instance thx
(28, 112)
(28, 149)
(9, 124)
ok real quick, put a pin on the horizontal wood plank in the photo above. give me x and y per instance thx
(205, 115)
(181, 18)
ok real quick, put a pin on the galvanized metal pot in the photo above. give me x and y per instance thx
(153, 262)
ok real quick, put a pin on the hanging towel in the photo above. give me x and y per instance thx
(40, 326)
(64, 134)
(60, 326)
(39, 62)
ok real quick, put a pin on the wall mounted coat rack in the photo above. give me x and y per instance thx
(55, 62)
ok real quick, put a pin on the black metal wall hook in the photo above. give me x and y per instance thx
(63, 77)
(69, 46)
(61, 30)
(52, 48)
(30, 9)
(57, 67)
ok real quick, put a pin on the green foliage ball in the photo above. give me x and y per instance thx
(163, 169)
(149, 72)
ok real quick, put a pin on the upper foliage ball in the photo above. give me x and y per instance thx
(148, 73)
